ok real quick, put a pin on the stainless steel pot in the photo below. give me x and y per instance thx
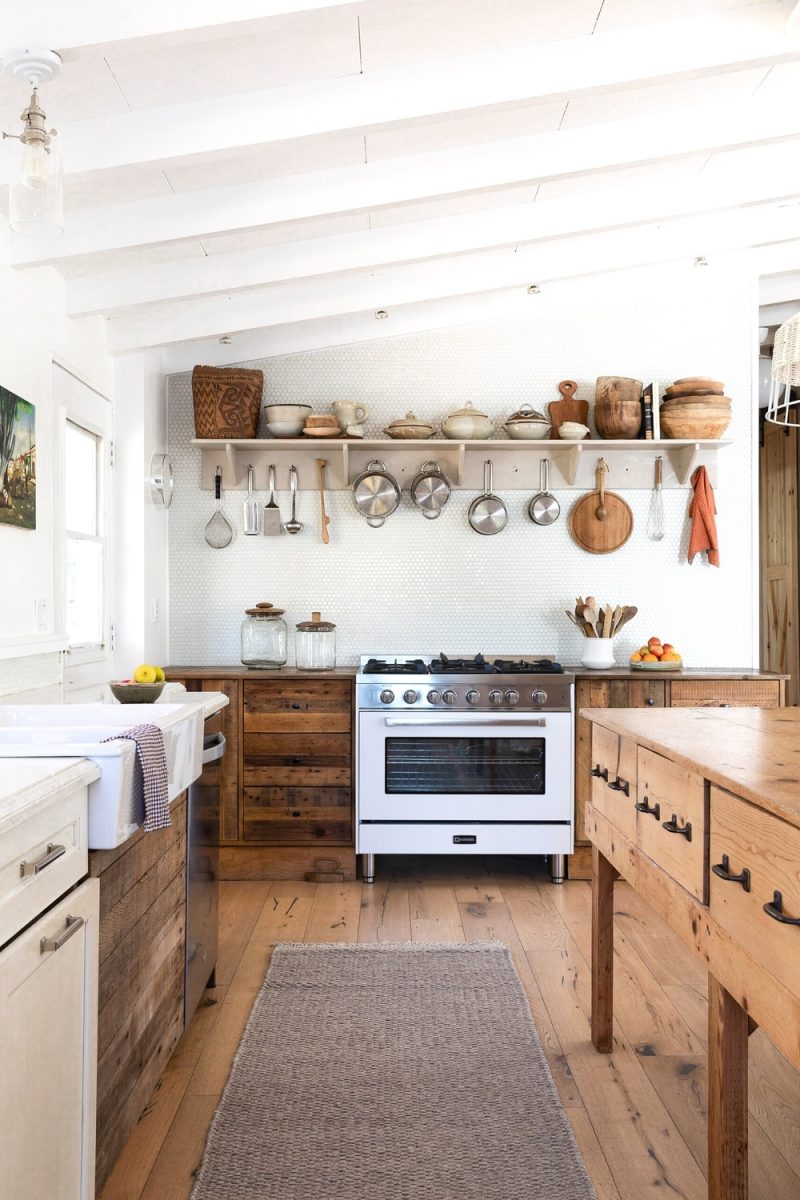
(430, 490)
(487, 513)
(544, 508)
(376, 494)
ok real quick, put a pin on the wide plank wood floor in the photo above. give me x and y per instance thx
(639, 1114)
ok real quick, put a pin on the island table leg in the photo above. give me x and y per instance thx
(603, 876)
(728, 1029)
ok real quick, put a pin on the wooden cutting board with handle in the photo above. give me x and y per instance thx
(601, 521)
(567, 409)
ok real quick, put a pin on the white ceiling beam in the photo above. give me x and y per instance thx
(778, 289)
(356, 291)
(413, 178)
(768, 314)
(65, 26)
(557, 70)
(115, 292)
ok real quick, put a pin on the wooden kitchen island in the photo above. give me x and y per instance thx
(699, 810)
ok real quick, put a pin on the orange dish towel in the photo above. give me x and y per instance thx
(702, 511)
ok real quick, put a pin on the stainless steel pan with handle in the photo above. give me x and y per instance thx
(487, 513)
(376, 494)
(430, 490)
(544, 509)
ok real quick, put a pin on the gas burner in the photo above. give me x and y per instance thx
(539, 666)
(407, 666)
(461, 666)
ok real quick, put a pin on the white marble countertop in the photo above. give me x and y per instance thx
(30, 783)
(176, 693)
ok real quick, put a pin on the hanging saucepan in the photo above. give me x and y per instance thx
(375, 493)
(488, 513)
(430, 490)
(544, 508)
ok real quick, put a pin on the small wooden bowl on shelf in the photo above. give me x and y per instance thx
(688, 422)
(136, 693)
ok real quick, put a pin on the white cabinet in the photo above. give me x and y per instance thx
(48, 1053)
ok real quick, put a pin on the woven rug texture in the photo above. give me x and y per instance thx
(388, 1071)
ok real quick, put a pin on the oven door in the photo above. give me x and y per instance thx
(465, 767)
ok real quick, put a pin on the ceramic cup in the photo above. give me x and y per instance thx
(598, 653)
(349, 413)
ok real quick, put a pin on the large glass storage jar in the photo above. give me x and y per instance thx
(264, 637)
(316, 644)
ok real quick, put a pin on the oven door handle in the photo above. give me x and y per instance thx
(466, 719)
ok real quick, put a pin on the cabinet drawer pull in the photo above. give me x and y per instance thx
(672, 826)
(650, 701)
(72, 926)
(620, 785)
(644, 807)
(722, 871)
(295, 705)
(50, 855)
(775, 910)
(599, 772)
(296, 761)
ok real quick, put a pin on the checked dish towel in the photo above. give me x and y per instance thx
(151, 784)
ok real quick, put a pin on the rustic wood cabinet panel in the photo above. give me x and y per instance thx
(671, 820)
(721, 693)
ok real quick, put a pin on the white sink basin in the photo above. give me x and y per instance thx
(79, 730)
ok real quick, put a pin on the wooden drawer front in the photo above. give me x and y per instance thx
(303, 706)
(297, 816)
(614, 788)
(316, 776)
(725, 693)
(769, 850)
(647, 693)
(678, 796)
(287, 750)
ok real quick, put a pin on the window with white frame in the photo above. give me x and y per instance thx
(84, 591)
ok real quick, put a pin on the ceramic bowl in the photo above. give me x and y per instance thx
(286, 420)
(527, 430)
(572, 431)
(136, 693)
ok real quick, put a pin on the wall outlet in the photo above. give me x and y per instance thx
(40, 616)
(155, 613)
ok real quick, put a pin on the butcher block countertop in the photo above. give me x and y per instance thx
(754, 752)
(240, 672)
(625, 672)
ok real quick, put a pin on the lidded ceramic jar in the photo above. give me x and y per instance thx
(467, 424)
(264, 637)
(315, 644)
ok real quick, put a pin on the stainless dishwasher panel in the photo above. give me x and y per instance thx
(202, 875)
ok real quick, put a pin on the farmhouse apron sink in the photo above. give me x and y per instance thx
(80, 730)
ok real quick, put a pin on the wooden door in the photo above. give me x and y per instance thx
(778, 554)
(48, 1048)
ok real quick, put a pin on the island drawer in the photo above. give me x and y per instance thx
(298, 706)
(747, 841)
(671, 820)
(613, 777)
(40, 858)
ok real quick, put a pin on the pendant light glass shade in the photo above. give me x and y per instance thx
(36, 187)
(784, 403)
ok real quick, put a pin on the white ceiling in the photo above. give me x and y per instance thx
(295, 166)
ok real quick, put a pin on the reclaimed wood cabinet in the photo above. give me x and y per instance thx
(623, 688)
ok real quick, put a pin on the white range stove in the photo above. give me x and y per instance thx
(464, 756)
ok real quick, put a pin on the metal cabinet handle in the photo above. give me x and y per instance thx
(620, 785)
(722, 871)
(644, 807)
(295, 705)
(775, 910)
(672, 826)
(72, 927)
(599, 772)
(650, 701)
(50, 855)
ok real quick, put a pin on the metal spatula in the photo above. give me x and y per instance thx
(272, 514)
(218, 532)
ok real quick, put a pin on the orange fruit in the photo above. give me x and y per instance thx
(636, 656)
(649, 658)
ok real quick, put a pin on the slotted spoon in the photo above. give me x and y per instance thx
(218, 532)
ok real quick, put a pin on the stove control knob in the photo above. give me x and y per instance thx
(512, 697)
(449, 696)
(410, 696)
(387, 697)
(495, 697)
(540, 696)
(473, 697)
(434, 697)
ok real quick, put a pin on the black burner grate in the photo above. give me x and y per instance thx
(407, 666)
(538, 666)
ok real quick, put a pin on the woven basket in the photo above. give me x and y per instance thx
(227, 401)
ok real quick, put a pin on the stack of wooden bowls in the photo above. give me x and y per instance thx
(695, 407)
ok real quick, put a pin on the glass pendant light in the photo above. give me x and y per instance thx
(36, 185)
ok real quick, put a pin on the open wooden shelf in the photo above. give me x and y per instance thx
(516, 463)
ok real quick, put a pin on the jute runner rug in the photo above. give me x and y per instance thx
(391, 1071)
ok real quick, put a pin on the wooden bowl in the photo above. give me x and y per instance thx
(136, 693)
(693, 422)
(618, 418)
(616, 388)
(675, 402)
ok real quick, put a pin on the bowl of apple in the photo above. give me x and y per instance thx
(145, 685)
(656, 656)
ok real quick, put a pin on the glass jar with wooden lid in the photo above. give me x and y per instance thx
(264, 637)
(316, 644)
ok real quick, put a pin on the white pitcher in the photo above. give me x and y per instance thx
(349, 413)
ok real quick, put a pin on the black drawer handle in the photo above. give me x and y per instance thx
(620, 785)
(722, 871)
(672, 826)
(318, 833)
(650, 701)
(295, 705)
(599, 772)
(296, 761)
(295, 813)
(644, 807)
(775, 910)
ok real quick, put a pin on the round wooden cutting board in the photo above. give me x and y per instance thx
(589, 531)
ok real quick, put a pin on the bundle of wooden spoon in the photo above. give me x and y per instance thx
(596, 621)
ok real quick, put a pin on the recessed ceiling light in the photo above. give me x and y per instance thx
(701, 261)
(226, 340)
(534, 289)
(381, 314)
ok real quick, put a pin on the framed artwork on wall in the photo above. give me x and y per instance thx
(17, 461)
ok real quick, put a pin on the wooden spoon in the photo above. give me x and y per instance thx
(615, 619)
(575, 620)
(324, 519)
(600, 479)
(590, 617)
(607, 614)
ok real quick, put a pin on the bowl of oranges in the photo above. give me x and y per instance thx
(656, 656)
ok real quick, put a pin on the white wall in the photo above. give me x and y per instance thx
(428, 586)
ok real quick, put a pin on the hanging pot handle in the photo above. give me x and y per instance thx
(544, 475)
(431, 516)
(376, 462)
(488, 479)
(375, 522)
(218, 484)
(430, 464)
